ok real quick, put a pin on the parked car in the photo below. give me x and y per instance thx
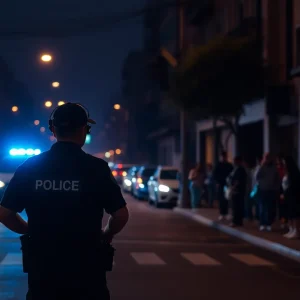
(163, 186)
(140, 187)
(130, 179)
(119, 171)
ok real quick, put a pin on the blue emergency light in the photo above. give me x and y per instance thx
(88, 139)
(24, 152)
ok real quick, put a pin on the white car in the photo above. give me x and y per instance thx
(163, 186)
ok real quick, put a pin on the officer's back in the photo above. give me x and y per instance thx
(64, 192)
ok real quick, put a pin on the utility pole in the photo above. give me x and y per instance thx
(184, 200)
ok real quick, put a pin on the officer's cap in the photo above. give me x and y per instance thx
(71, 115)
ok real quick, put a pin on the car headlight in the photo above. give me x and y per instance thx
(163, 188)
(127, 182)
(2, 184)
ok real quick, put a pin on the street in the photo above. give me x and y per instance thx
(162, 255)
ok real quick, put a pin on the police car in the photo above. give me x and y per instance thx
(9, 162)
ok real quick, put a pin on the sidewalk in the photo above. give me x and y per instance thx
(272, 241)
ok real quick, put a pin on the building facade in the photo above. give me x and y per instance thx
(165, 134)
(270, 124)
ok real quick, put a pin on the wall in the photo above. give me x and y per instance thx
(228, 142)
(166, 151)
(209, 148)
(253, 113)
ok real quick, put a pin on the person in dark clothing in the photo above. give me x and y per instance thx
(210, 186)
(65, 192)
(238, 184)
(221, 172)
(291, 188)
(269, 188)
(281, 202)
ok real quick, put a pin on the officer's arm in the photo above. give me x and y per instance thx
(116, 223)
(13, 221)
(13, 202)
(114, 205)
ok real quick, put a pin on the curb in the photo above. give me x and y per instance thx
(257, 241)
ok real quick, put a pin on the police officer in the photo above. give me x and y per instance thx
(65, 192)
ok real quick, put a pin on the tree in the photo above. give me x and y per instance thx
(218, 79)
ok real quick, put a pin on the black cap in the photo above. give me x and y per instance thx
(71, 115)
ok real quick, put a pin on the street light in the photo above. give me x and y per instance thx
(48, 103)
(36, 122)
(55, 84)
(107, 155)
(42, 129)
(117, 106)
(46, 57)
(118, 151)
(14, 108)
(60, 103)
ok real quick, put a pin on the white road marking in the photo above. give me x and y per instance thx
(199, 243)
(12, 259)
(147, 258)
(252, 260)
(200, 259)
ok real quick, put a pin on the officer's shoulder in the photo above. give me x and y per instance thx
(34, 160)
(98, 162)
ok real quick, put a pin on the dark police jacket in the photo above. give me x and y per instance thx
(64, 192)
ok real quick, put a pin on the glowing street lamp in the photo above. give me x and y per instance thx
(48, 103)
(42, 129)
(60, 103)
(117, 106)
(14, 108)
(46, 57)
(118, 151)
(107, 155)
(55, 84)
(36, 122)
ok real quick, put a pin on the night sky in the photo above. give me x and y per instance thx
(87, 66)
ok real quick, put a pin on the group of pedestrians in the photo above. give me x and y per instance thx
(266, 192)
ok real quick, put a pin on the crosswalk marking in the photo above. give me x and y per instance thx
(147, 258)
(152, 259)
(252, 260)
(12, 259)
(200, 259)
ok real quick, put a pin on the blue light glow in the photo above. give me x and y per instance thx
(88, 139)
(24, 152)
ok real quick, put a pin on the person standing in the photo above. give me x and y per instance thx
(291, 189)
(249, 201)
(281, 201)
(197, 178)
(210, 185)
(238, 185)
(269, 187)
(221, 172)
(255, 192)
(64, 192)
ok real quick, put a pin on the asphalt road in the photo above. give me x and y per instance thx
(162, 255)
